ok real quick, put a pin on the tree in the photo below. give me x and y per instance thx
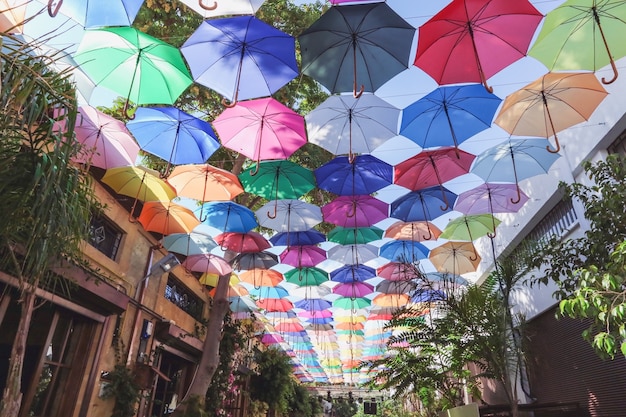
(589, 270)
(274, 383)
(47, 201)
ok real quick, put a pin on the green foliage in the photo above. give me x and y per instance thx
(273, 384)
(301, 403)
(344, 408)
(124, 389)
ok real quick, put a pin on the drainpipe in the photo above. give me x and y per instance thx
(139, 297)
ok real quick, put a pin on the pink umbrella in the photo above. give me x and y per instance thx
(243, 242)
(355, 211)
(207, 263)
(261, 129)
(303, 256)
(398, 271)
(271, 339)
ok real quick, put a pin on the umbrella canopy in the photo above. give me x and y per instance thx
(455, 257)
(241, 57)
(269, 292)
(208, 264)
(306, 276)
(96, 13)
(403, 251)
(354, 235)
(279, 179)
(417, 231)
(449, 115)
(137, 66)
(429, 168)
(490, 198)
(396, 287)
(358, 45)
(167, 218)
(471, 227)
(346, 125)
(242, 242)
(398, 271)
(297, 238)
(204, 182)
(262, 277)
(471, 40)
(582, 35)
(353, 254)
(261, 129)
(187, 244)
(355, 211)
(422, 205)
(391, 300)
(289, 215)
(173, 135)
(366, 174)
(274, 304)
(12, 15)
(348, 303)
(208, 9)
(308, 292)
(303, 256)
(227, 216)
(313, 304)
(254, 260)
(551, 104)
(352, 273)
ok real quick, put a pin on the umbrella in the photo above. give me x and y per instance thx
(261, 129)
(313, 304)
(430, 168)
(240, 57)
(490, 198)
(366, 174)
(300, 256)
(297, 238)
(396, 287)
(306, 276)
(262, 277)
(352, 273)
(227, 216)
(514, 160)
(187, 244)
(12, 13)
(167, 218)
(309, 292)
(215, 8)
(471, 227)
(346, 125)
(582, 35)
(455, 257)
(289, 327)
(211, 280)
(204, 182)
(421, 205)
(353, 254)
(353, 304)
(173, 135)
(254, 260)
(399, 271)
(279, 179)
(364, 44)
(403, 251)
(471, 40)
(96, 13)
(207, 263)
(355, 211)
(274, 304)
(141, 68)
(449, 115)
(269, 292)
(417, 231)
(391, 300)
(551, 104)
(242, 242)
(354, 235)
(106, 141)
(289, 215)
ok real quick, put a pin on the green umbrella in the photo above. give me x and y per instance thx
(354, 235)
(139, 67)
(351, 303)
(471, 227)
(277, 180)
(306, 277)
(582, 35)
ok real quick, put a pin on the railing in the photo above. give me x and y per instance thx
(570, 409)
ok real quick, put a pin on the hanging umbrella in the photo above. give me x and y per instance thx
(167, 218)
(353, 254)
(227, 216)
(471, 227)
(422, 205)
(513, 161)
(242, 305)
(274, 304)
(403, 251)
(366, 174)
(279, 179)
(490, 198)
(355, 211)
(471, 40)
(297, 238)
(208, 264)
(582, 35)
(348, 303)
(363, 44)
(261, 129)
(430, 168)
(96, 13)
(187, 244)
(289, 327)
(303, 256)
(455, 257)
(242, 242)
(309, 292)
(271, 339)
(449, 115)
(352, 272)
(391, 300)
(354, 235)
(262, 277)
(234, 289)
(551, 104)
(289, 215)
(313, 304)
(254, 260)
(346, 125)
(240, 57)
(12, 16)
(269, 292)
(417, 231)
(306, 276)
(215, 8)
(396, 287)
(204, 182)
(173, 135)
(314, 314)
(399, 271)
(137, 66)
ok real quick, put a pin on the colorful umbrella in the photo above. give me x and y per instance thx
(241, 57)
(211, 280)
(363, 44)
(345, 125)
(254, 260)
(274, 304)
(269, 292)
(289, 215)
(141, 68)
(204, 182)
(355, 211)
(366, 174)
(167, 218)
(417, 231)
(173, 135)
(187, 244)
(96, 13)
(303, 256)
(262, 277)
(449, 115)
(455, 257)
(313, 304)
(227, 216)
(207, 263)
(279, 179)
(261, 129)
(471, 227)
(352, 272)
(306, 276)
(422, 205)
(582, 35)
(12, 13)
(396, 287)
(551, 104)
(354, 235)
(471, 40)
(297, 238)
(242, 242)
(399, 271)
(353, 254)
(430, 168)
(391, 300)
(403, 251)
(348, 303)
(490, 198)
(309, 292)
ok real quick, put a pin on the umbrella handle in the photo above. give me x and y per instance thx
(519, 196)
(615, 73)
(445, 200)
(125, 111)
(207, 7)
(230, 105)
(273, 215)
(357, 94)
(430, 233)
(53, 12)
(557, 148)
(475, 256)
(255, 171)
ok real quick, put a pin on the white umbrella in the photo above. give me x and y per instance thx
(214, 8)
(353, 254)
(289, 215)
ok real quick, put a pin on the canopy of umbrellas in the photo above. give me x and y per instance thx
(326, 298)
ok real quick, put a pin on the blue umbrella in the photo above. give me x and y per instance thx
(268, 292)
(313, 304)
(352, 273)
(320, 320)
(98, 13)
(403, 251)
(449, 115)
(173, 135)
(302, 238)
(366, 174)
(427, 295)
(227, 216)
(426, 204)
(241, 57)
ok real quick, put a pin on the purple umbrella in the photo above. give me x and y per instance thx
(354, 289)
(490, 198)
(355, 211)
(303, 256)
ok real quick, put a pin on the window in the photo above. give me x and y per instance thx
(104, 236)
(187, 301)
(619, 145)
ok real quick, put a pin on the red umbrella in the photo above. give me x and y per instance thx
(275, 304)
(471, 40)
(430, 168)
(243, 242)
(303, 256)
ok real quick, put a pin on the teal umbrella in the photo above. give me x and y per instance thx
(354, 235)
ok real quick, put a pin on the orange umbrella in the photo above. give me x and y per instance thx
(262, 277)
(391, 300)
(349, 326)
(233, 290)
(205, 182)
(12, 13)
(416, 231)
(455, 257)
(167, 218)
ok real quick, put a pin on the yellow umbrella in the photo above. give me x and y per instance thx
(211, 280)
